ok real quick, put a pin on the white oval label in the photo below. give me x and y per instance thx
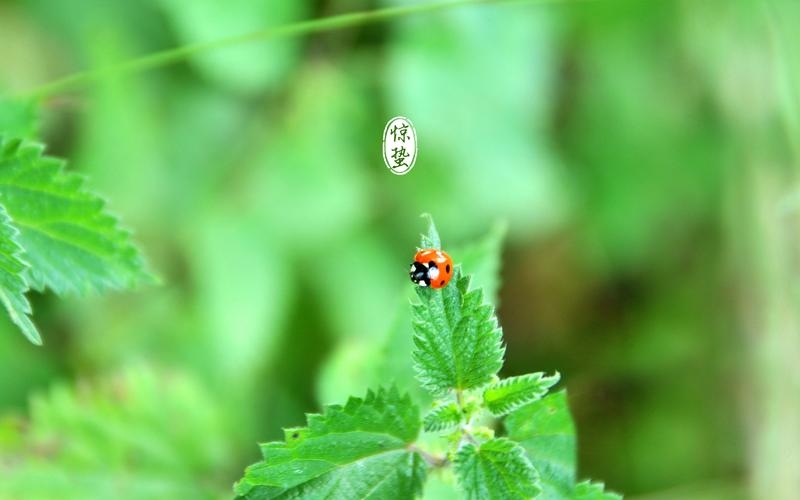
(399, 145)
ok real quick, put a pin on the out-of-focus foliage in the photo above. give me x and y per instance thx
(546, 431)
(141, 434)
(626, 143)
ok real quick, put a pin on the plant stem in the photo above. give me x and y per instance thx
(170, 56)
(434, 461)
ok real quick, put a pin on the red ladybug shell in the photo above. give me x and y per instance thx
(439, 267)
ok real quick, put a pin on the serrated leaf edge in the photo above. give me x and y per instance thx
(499, 407)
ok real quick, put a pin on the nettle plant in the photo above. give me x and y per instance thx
(502, 438)
(55, 234)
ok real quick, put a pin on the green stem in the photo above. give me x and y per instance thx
(170, 56)
(434, 461)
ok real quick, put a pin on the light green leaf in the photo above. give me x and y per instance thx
(442, 417)
(507, 395)
(71, 242)
(431, 240)
(497, 469)
(12, 284)
(587, 490)
(545, 430)
(140, 434)
(359, 450)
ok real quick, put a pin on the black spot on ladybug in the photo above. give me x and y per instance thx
(441, 283)
(433, 265)
(447, 269)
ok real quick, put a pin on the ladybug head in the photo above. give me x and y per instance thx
(419, 274)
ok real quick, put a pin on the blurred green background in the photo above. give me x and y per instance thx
(643, 156)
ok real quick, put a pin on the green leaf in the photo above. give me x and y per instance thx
(431, 240)
(507, 395)
(139, 434)
(588, 490)
(545, 430)
(497, 469)
(457, 341)
(359, 450)
(12, 284)
(442, 417)
(71, 242)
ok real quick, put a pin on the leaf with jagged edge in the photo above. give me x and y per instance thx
(457, 341)
(73, 245)
(359, 450)
(587, 490)
(545, 430)
(507, 395)
(12, 284)
(442, 417)
(497, 469)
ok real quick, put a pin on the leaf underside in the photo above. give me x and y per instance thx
(497, 469)
(359, 450)
(509, 394)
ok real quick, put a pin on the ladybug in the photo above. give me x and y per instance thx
(431, 267)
